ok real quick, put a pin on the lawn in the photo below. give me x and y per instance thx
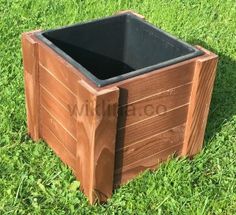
(34, 181)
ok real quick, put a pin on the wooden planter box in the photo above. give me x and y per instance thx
(113, 105)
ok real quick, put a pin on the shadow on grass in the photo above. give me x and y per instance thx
(223, 103)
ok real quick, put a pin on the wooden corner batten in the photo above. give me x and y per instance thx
(96, 136)
(31, 78)
(199, 103)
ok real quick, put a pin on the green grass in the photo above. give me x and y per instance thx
(34, 181)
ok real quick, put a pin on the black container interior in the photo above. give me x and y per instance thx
(116, 48)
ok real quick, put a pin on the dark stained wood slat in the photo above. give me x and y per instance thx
(57, 146)
(204, 77)
(151, 126)
(153, 105)
(149, 146)
(58, 111)
(129, 172)
(65, 138)
(96, 141)
(58, 67)
(31, 73)
(58, 90)
(155, 82)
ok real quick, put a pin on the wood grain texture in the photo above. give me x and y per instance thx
(148, 127)
(154, 82)
(154, 105)
(96, 132)
(31, 79)
(61, 92)
(57, 146)
(149, 146)
(60, 68)
(203, 81)
(149, 163)
(68, 141)
(58, 111)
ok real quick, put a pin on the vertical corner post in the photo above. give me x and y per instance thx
(200, 98)
(31, 79)
(96, 136)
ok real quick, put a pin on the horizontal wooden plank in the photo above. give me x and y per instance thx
(148, 127)
(149, 146)
(154, 105)
(57, 110)
(60, 68)
(61, 92)
(129, 172)
(57, 146)
(155, 82)
(57, 129)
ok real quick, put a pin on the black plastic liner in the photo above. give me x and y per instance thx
(116, 48)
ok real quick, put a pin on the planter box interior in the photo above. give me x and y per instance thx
(117, 48)
(116, 96)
